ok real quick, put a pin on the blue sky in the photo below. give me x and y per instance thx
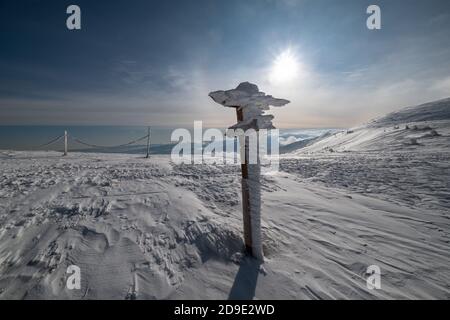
(154, 62)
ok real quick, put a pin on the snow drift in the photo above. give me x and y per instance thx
(150, 229)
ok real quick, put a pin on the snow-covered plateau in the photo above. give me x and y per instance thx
(137, 228)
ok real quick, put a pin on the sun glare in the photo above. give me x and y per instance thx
(285, 68)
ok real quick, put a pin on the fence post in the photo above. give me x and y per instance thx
(65, 142)
(148, 143)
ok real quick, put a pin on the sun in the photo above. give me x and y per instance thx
(285, 68)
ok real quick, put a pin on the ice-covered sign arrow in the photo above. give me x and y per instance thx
(252, 102)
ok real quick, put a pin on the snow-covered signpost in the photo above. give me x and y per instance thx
(250, 105)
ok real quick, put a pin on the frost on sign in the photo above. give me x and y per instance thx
(250, 106)
(252, 102)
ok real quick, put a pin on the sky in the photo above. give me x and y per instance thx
(154, 62)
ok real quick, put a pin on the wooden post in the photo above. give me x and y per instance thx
(65, 142)
(247, 96)
(245, 192)
(148, 143)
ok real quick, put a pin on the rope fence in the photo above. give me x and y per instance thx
(75, 139)
(48, 143)
(67, 136)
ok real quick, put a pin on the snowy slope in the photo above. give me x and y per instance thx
(432, 111)
(421, 128)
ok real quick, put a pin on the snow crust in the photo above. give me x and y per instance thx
(150, 229)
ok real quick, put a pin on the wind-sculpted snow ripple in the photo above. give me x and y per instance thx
(148, 229)
(413, 179)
